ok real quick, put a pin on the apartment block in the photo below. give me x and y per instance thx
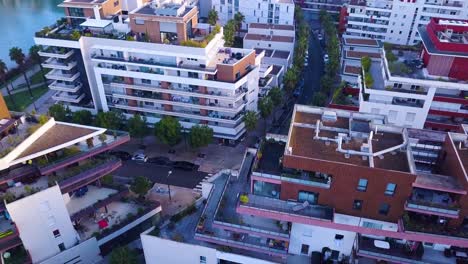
(314, 6)
(341, 186)
(395, 21)
(258, 11)
(56, 208)
(155, 60)
(414, 87)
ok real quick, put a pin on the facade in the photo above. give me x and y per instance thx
(55, 208)
(331, 6)
(258, 11)
(341, 185)
(419, 88)
(397, 21)
(155, 60)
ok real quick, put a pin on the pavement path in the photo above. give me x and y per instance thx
(42, 104)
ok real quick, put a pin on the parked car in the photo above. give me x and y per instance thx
(185, 165)
(319, 36)
(160, 161)
(140, 157)
(326, 58)
(123, 155)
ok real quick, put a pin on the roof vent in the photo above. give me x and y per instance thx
(381, 157)
(329, 116)
(346, 156)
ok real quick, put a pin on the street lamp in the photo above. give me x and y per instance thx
(168, 185)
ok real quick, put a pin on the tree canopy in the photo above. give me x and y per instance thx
(141, 185)
(83, 117)
(137, 126)
(250, 119)
(212, 17)
(59, 112)
(123, 255)
(168, 130)
(200, 136)
(229, 33)
(110, 120)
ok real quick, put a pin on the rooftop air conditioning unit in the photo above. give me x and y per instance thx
(346, 156)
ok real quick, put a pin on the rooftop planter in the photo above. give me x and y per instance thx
(204, 42)
(413, 225)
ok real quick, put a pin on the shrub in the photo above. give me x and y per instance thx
(369, 81)
(244, 199)
(366, 63)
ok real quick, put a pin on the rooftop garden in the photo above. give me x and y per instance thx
(204, 42)
(424, 224)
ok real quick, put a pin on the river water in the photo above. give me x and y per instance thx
(20, 19)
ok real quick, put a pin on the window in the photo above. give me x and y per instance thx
(61, 246)
(56, 233)
(392, 115)
(76, 12)
(372, 225)
(384, 208)
(310, 197)
(410, 117)
(362, 185)
(390, 190)
(305, 249)
(145, 81)
(339, 240)
(139, 21)
(202, 260)
(357, 204)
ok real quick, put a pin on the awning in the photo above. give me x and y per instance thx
(96, 23)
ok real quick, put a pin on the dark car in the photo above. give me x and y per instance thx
(185, 165)
(160, 161)
(123, 155)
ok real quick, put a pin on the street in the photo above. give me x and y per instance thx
(156, 173)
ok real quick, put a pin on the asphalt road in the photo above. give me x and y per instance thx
(157, 173)
(313, 73)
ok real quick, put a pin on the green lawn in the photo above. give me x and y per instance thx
(36, 78)
(23, 99)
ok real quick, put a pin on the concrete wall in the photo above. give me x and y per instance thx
(318, 238)
(85, 252)
(37, 216)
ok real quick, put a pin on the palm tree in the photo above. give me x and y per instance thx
(212, 17)
(3, 72)
(17, 55)
(239, 18)
(37, 59)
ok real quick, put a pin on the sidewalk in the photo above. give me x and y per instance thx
(42, 103)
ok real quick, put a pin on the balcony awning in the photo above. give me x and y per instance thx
(96, 23)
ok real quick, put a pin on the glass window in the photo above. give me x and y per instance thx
(362, 185)
(310, 197)
(305, 249)
(372, 225)
(76, 12)
(267, 189)
(384, 208)
(56, 233)
(357, 204)
(61, 246)
(390, 190)
(202, 259)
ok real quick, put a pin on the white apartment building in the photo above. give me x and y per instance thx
(398, 21)
(258, 11)
(155, 61)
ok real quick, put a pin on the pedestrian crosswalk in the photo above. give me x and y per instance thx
(198, 188)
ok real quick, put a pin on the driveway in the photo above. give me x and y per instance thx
(187, 179)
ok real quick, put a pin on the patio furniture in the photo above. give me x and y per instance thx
(299, 207)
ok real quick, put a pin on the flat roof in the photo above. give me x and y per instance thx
(96, 23)
(271, 26)
(360, 54)
(365, 42)
(276, 69)
(260, 37)
(430, 47)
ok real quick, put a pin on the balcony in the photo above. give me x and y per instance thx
(54, 63)
(63, 87)
(59, 75)
(60, 53)
(462, 113)
(8, 235)
(66, 97)
(85, 174)
(433, 203)
(284, 210)
(85, 153)
(13, 174)
(430, 224)
(411, 252)
(151, 62)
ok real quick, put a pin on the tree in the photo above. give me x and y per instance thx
(168, 130)
(239, 18)
(276, 96)
(319, 99)
(212, 17)
(229, 33)
(141, 185)
(137, 126)
(37, 59)
(3, 72)
(366, 63)
(290, 80)
(59, 112)
(82, 117)
(110, 120)
(17, 55)
(123, 255)
(200, 136)
(326, 83)
(250, 120)
(265, 105)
